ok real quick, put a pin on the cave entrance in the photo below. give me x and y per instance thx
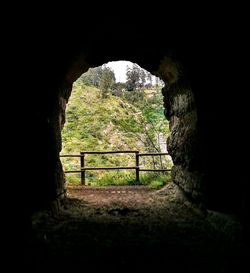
(115, 118)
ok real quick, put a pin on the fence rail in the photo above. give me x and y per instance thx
(137, 168)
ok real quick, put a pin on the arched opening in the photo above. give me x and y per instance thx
(180, 109)
(120, 237)
(123, 233)
(209, 58)
(118, 108)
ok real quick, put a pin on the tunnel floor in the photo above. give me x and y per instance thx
(133, 229)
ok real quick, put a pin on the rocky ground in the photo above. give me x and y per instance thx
(134, 229)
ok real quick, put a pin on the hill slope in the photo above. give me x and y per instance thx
(112, 123)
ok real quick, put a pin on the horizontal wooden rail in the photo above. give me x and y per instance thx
(108, 168)
(118, 168)
(154, 170)
(76, 171)
(152, 154)
(109, 152)
(70, 155)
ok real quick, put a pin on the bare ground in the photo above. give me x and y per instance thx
(133, 229)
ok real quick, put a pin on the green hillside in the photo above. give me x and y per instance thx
(133, 120)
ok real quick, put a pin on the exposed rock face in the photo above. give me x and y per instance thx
(59, 120)
(207, 113)
(180, 109)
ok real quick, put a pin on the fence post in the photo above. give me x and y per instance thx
(82, 166)
(137, 167)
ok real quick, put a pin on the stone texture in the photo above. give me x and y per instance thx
(181, 111)
(196, 133)
(182, 140)
(190, 182)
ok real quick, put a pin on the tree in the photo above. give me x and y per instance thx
(118, 88)
(107, 80)
(133, 77)
(92, 76)
(137, 78)
(149, 80)
(142, 78)
(100, 77)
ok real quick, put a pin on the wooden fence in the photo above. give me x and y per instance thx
(136, 167)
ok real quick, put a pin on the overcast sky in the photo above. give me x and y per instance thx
(119, 68)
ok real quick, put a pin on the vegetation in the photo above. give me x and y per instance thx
(104, 115)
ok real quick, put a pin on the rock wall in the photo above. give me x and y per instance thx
(180, 110)
(55, 120)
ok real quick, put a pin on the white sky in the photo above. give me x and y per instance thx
(119, 68)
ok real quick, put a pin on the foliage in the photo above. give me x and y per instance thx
(118, 89)
(157, 181)
(136, 77)
(135, 96)
(102, 77)
(107, 80)
(92, 76)
(121, 177)
(153, 180)
(110, 122)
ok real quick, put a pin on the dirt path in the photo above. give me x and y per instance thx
(130, 229)
(133, 196)
(137, 203)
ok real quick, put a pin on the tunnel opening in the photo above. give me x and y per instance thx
(179, 108)
(115, 117)
(167, 227)
(212, 50)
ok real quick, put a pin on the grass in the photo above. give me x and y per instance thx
(120, 177)
(112, 123)
(155, 180)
